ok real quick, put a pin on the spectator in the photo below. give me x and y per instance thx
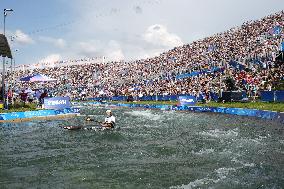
(246, 54)
(23, 96)
(41, 98)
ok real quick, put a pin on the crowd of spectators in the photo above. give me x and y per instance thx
(254, 46)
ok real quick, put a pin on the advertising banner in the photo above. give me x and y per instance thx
(57, 103)
(187, 100)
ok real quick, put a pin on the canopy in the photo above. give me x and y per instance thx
(37, 77)
(5, 50)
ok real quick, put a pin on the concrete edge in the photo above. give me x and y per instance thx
(50, 117)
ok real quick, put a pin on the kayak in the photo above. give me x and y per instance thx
(95, 128)
(99, 128)
(73, 127)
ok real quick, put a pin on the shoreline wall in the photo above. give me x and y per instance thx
(28, 115)
(264, 114)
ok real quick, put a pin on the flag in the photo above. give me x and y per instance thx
(211, 48)
(282, 47)
(276, 30)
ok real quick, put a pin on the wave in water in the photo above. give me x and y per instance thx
(146, 114)
(221, 173)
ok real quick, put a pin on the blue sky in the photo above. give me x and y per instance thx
(119, 29)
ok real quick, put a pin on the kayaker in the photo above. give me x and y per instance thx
(109, 122)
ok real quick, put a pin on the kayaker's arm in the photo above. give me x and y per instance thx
(107, 124)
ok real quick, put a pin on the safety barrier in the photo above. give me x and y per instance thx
(279, 96)
(272, 96)
(39, 113)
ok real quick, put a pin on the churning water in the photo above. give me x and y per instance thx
(152, 149)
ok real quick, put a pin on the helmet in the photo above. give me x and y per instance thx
(108, 111)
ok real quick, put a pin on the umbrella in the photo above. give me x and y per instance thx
(37, 77)
(101, 92)
(28, 91)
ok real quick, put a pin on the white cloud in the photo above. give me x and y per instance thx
(92, 48)
(23, 38)
(115, 55)
(58, 42)
(89, 49)
(114, 52)
(159, 35)
(51, 58)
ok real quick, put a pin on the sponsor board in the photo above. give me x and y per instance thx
(57, 103)
(187, 100)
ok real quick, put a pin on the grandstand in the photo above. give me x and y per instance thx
(250, 55)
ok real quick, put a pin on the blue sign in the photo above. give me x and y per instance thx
(57, 103)
(187, 100)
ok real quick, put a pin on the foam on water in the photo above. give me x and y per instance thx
(217, 133)
(196, 184)
(259, 140)
(146, 114)
(204, 151)
(223, 172)
(218, 175)
(244, 164)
